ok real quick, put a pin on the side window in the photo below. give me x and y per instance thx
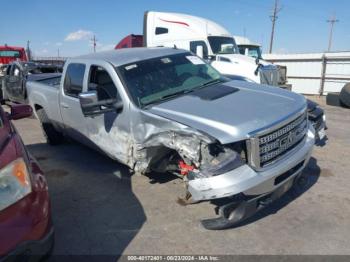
(194, 44)
(161, 30)
(73, 81)
(101, 81)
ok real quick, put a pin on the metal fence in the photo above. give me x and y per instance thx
(50, 60)
(315, 73)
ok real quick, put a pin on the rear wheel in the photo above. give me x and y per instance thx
(53, 137)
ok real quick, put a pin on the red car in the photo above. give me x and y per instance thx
(25, 213)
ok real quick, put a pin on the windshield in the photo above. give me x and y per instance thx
(223, 45)
(10, 53)
(253, 51)
(158, 79)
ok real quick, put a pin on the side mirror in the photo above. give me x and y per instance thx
(257, 60)
(91, 106)
(20, 111)
(199, 51)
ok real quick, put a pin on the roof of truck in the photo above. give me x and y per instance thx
(129, 55)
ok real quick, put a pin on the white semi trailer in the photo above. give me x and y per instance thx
(208, 40)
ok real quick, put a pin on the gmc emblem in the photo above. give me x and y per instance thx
(288, 139)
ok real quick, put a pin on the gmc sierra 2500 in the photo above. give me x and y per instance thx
(166, 110)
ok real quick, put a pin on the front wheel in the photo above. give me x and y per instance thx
(53, 137)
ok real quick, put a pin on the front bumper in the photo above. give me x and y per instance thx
(235, 210)
(35, 249)
(245, 191)
(246, 180)
(317, 118)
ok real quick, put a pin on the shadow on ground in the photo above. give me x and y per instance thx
(94, 209)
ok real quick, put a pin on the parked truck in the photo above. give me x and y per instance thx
(251, 49)
(9, 54)
(208, 40)
(235, 143)
(248, 47)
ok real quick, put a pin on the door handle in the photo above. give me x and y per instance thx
(64, 105)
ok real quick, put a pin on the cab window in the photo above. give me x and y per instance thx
(101, 81)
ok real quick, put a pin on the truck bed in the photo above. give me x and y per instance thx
(44, 93)
(52, 79)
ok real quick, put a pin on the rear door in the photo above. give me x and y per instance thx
(72, 115)
(17, 90)
(12, 80)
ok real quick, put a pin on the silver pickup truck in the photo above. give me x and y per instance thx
(235, 143)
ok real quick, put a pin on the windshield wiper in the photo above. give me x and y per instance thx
(211, 82)
(185, 91)
(165, 97)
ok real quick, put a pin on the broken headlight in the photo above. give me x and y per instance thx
(218, 159)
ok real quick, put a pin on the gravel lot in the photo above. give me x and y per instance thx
(99, 209)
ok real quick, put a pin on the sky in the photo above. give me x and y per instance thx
(68, 25)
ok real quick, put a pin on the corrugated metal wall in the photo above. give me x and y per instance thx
(315, 73)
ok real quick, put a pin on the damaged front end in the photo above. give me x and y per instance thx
(188, 154)
(217, 172)
(191, 156)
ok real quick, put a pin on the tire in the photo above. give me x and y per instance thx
(53, 137)
(345, 96)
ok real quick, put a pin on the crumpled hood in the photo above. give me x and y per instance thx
(234, 116)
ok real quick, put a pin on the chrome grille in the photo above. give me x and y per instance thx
(282, 140)
(266, 147)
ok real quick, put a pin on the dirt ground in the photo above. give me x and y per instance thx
(99, 209)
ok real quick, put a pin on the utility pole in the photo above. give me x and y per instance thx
(274, 17)
(332, 21)
(28, 51)
(94, 41)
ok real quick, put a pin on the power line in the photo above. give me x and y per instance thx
(276, 10)
(332, 21)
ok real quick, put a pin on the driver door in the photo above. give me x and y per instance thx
(109, 131)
